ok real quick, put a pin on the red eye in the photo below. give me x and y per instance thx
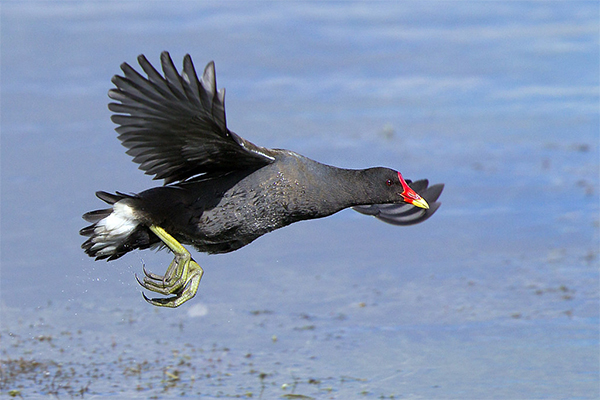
(389, 182)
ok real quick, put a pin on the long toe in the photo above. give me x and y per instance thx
(184, 293)
(162, 302)
(153, 276)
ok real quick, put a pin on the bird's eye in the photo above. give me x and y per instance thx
(389, 182)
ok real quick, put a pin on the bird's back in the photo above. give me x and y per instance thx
(222, 214)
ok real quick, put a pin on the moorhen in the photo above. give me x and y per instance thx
(220, 191)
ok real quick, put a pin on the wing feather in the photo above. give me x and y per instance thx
(404, 213)
(174, 126)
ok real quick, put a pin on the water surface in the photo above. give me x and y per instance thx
(495, 297)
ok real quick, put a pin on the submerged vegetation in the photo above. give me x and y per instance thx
(81, 365)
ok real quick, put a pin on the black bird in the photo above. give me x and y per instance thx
(220, 191)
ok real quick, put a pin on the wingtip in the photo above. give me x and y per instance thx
(433, 192)
(141, 58)
(124, 65)
(165, 56)
(188, 65)
(209, 78)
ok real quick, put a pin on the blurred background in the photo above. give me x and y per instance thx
(496, 296)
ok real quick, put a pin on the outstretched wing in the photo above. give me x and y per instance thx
(404, 213)
(174, 125)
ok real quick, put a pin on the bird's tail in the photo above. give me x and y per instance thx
(116, 230)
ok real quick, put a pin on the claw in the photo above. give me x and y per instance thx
(151, 275)
(181, 279)
(137, 278)
(186, 293)
(157, 287)
(159, 302)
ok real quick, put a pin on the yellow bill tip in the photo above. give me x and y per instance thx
(421, 203)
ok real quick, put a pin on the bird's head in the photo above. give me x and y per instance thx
(389, 187)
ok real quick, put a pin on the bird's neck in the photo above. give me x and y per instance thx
(325, 190)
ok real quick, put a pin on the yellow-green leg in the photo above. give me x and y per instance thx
(181, 278)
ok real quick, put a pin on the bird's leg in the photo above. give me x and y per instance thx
(181, 278)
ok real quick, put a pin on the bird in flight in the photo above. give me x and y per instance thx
(220, 191)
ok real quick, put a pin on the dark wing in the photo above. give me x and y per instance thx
(174, 126)
(404, 213)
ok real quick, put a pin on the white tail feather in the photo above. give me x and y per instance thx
(113, 230)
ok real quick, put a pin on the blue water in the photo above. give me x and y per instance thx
(495, 297)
